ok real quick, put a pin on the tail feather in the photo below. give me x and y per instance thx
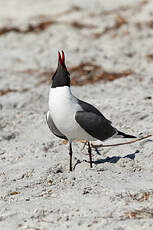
(124, 135)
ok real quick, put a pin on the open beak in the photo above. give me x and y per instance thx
(61, 60)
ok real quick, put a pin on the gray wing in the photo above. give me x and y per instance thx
(90, 108)
(96, 125)
(53, 127)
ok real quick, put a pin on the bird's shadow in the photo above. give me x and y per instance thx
(77, 163)
(115, 159)
(112, 160)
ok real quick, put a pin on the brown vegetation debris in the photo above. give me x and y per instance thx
(38, 27)
(79, 25)
(31, 28)
(150, 24)
(149, 56)
(68, 11)
(119, 21)
(135, 8)
(142, 25)
(139, 214)
(6, 91)
(140, 196)
(85, 73)
(13, 193)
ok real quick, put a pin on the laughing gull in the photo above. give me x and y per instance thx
(72, 119)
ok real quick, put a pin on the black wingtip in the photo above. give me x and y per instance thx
(124, 135)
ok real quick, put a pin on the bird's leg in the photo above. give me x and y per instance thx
(90, 156)
(70, 153)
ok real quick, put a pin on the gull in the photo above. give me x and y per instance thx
(72, 119)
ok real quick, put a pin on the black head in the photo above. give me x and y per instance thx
(61, 77)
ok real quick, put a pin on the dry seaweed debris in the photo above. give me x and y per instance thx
(135, 8)
(85, 73)
(149, 56)
(119, 21)
(88, 73)
(39, 26)
(140, 214)
(79, 25)
(30, 28)
(141, 25)
(6, 91)
(141, 196)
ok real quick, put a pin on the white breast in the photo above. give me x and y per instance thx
(63, 107)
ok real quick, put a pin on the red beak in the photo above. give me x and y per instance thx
(61, 60)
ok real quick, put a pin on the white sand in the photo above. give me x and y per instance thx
(36, 189)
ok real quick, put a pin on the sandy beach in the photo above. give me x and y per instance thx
(109, 51)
